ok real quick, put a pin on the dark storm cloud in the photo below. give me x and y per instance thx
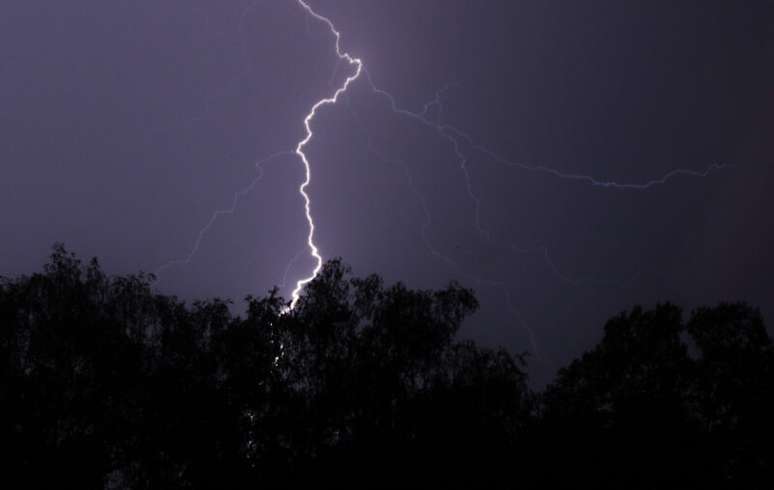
(125, 125)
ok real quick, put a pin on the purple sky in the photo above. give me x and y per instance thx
(125, 125)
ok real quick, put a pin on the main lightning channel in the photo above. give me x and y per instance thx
(343, 56)
(452, 134)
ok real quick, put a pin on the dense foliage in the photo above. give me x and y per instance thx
(106, 384)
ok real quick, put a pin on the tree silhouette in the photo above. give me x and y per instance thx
(106, 384)
(661, 403)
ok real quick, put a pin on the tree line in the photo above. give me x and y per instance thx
(105, 383)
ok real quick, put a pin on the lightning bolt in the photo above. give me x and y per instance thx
(358, 64)
(428, 222)
(601, 183)
(457, 137)
(420, 198)
(238, 195)
(461, 144)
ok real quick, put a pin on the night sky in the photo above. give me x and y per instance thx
(125, 125)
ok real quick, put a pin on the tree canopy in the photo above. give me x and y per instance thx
(105, 383)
